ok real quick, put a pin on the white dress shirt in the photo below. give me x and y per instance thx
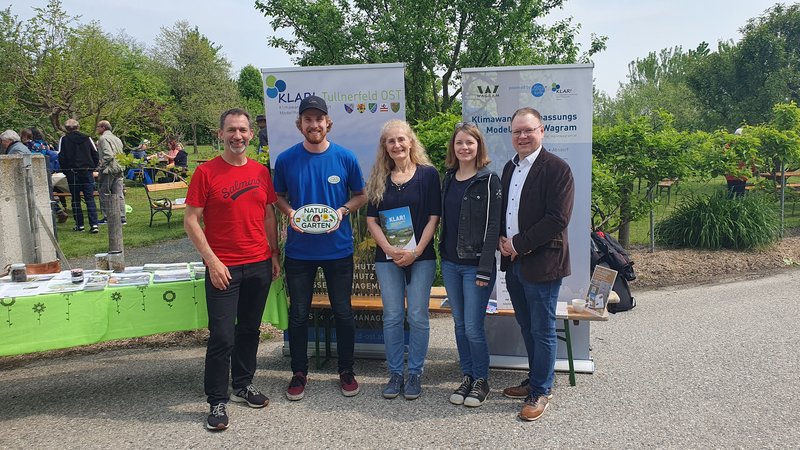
(518, 178)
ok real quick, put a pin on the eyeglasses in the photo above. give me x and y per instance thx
(525, 132)
(465, 124)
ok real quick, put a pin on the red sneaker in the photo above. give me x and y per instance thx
(348, 383)
(297, 387)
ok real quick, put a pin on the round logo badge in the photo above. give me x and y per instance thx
(333, 179)
(315, 219)
(537, 90)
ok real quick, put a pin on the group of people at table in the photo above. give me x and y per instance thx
(524, 213)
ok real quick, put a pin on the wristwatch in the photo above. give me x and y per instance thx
(346, 210)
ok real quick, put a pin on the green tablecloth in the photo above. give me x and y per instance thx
(52, 321)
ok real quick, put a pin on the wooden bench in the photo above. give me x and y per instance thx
(165, 205)
(667, 184)
(321, 303)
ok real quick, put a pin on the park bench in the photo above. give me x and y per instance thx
(165, 205)
(320, 303)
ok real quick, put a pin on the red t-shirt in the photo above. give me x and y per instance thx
(234, 201)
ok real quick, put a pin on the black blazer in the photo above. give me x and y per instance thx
(546, 209)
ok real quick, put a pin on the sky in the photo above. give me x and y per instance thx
(634, 28)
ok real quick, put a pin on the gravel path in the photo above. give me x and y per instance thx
(691, 367)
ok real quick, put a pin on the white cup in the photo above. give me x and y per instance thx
(578, 304)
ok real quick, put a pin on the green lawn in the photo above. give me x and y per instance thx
(640, 230)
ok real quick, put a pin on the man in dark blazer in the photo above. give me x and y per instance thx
(538, 193)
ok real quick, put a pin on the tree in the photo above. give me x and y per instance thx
(657, 81)
(198, 77)
(646, 149)
(435, 39)
(741, 82)
(251, 89)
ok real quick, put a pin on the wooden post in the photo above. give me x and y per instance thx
(114, 223)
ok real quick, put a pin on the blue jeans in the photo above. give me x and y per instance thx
(81, 181)
(535, 310)
(300, 283)
(468, 303)
(394, 291)
(234, 317)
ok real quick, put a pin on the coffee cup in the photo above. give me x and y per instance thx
(578, 304)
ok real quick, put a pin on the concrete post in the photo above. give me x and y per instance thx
(18, 244)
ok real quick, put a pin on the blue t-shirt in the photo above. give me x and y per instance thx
(323, 178)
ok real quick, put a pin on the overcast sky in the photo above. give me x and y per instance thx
(633, 27)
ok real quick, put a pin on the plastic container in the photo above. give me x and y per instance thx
(18, 273)
(101, 261)
(116, 261)
(77, 276)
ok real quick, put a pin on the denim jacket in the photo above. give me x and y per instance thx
(479, 224)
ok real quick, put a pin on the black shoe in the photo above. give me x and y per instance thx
(458, 396)
(94, 229)
(78, 228)
(251, 396)
(124, 222)
(478, 394)
(102, 221)
(218, 418)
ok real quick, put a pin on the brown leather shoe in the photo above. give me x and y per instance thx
(522, 391)
(534, 408)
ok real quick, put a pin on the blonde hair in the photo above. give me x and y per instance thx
(376, 185)
(482, 154)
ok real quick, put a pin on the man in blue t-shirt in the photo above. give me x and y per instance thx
(319, 172)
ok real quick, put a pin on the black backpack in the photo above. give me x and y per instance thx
(607, 251)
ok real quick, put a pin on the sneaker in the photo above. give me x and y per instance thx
(297, 387)
(218, 418)
(102, 221)
(534, 407)
(124, 222)
(412, 389)
(458, 396)
(348, 383)
(394, 386)
(478, 393)
(522, 391)
(251, 396)
(94, 230)
(78, 228)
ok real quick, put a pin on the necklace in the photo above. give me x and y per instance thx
(398, 186)
(404, 177)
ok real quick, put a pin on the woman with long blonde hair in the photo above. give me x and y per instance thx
(402, 215)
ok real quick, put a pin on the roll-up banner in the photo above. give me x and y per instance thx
(360, 98)
(563, 95)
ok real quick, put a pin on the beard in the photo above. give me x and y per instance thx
(235, 149)
(316, 136)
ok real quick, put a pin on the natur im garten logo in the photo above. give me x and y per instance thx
(315, 219)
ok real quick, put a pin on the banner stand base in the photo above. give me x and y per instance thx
(521, 363)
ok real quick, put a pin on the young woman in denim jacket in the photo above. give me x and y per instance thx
(403, 177)
(471, 208)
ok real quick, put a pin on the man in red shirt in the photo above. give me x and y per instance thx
(233, 196)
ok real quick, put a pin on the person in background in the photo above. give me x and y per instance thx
(538, 195)
(263, 139)
(36, 143)
(736, 184)
(140, 152)
(471, 206)
(78, 158)
(109, 147)
(318, 171)
(403, 177)
(232, 196)
(10, 144)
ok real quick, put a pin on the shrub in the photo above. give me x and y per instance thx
(717, 221)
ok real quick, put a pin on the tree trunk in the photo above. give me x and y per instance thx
(625, 216)
(194, 138)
